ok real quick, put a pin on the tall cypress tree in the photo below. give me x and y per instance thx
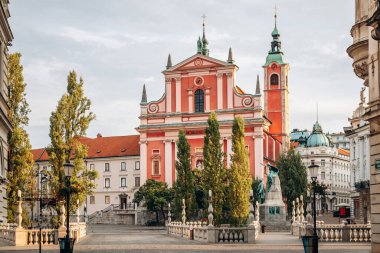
(213, 174)
(239, 178)
(68, 122)
(20, 171)
(184, 185)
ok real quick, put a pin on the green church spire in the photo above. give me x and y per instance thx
(205, 50)
(275, 54)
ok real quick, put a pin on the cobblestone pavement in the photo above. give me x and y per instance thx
(118, 239)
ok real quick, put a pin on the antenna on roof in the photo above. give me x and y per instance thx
(317, 113)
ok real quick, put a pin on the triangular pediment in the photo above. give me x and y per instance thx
(198, 61)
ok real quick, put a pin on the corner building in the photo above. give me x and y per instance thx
(201, 84)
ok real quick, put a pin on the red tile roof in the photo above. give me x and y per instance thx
(113, 146)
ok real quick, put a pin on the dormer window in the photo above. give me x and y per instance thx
(274, 79)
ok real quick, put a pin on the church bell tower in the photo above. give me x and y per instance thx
(276, 102)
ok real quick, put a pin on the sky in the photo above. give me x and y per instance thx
(118, 45)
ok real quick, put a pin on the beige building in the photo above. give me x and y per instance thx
(316, 148)
(365, 54)
(117, 161)
(5, 127)
(358, 133)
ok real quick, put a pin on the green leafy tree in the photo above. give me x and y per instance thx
(293, 176)
(239, 179)
(184, 187)
(155, 196)
(20, 171)
(213, 174)
(255, 188)
(68, 123)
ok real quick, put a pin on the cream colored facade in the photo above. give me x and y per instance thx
(118, 180)
(365, 53)
(334, 172)
(5, 127)
(358, 133)
(115, 185)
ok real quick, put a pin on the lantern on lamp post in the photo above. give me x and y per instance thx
(68, 169)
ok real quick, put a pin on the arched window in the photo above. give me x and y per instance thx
(274, 79)
(199, 101)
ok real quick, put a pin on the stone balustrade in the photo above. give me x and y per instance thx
(49, 236)
(336, 232)
(23, 237)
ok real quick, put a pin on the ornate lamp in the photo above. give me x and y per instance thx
(68, 169)
(313, 169)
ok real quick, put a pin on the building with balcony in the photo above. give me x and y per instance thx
(316, 148)
(365, 54)
(359, 133)
(6, 38)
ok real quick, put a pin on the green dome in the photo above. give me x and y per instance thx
(317, 138)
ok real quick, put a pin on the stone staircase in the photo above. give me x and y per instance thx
(114, 214)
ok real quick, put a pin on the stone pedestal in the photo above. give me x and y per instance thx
(21, 237)
(272, 211)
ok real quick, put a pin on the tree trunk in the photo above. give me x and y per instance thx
(157, 217)
(163, 213)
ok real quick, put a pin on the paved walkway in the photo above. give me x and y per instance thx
(117, 239)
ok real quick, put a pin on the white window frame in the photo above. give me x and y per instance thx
(139, 182)
(123, 168)
(107, 197)
(137, 165)
(107, 179)
(107, 168)
(121, 182)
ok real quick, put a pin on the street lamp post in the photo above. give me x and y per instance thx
(68, 169)
(43, 179)
(313, 169)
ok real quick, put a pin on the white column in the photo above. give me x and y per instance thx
(207, 100)
(191, 103)
(143, 162)
(229, 91)
(178, 94)
(176, 159)
(168, 88)
(259, 156)
(229, 151)
(219, 83)
(168, 162)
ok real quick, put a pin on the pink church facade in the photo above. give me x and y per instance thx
(197, 86)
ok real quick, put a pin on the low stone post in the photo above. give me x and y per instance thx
(251, 209)
(293, 217)
(77, 212)
(21, 235)
(210, 227)
(183, 212)
(302, 218)
(169, 214)
(251, 226)
(62, 227)
(257, 213)
(297, 210)
(19, 210)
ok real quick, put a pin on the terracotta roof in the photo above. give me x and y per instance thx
(342, 151)
(40, 154)
(113, 146)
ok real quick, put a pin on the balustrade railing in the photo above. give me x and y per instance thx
(48, 236)
(232, 235)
